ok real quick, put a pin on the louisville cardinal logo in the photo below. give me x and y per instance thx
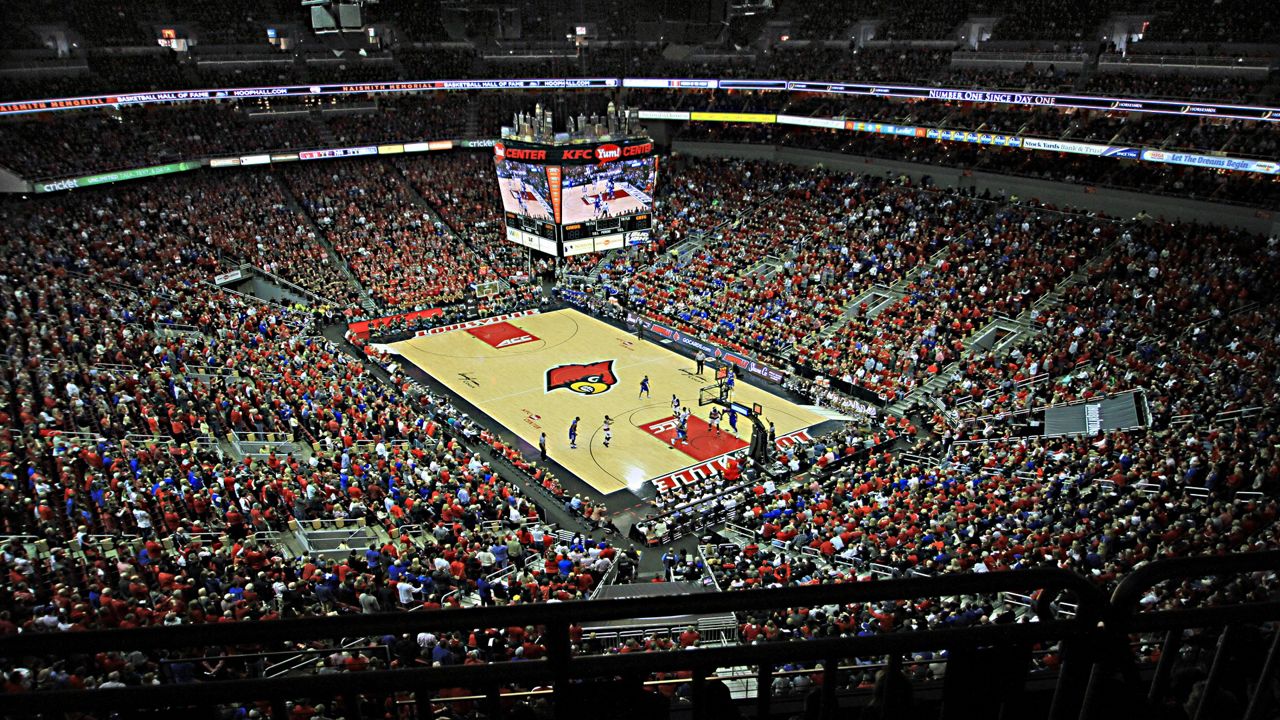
(591, 379)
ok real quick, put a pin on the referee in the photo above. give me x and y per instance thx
(701, 359)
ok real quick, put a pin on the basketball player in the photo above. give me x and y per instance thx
(730, 380)
(573, 434)
(524, 209)
(608, 430)
(675, 405)
(644, 387)
(682, 430)
(733, 419)
(714, 417)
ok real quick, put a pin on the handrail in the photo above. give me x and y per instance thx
(1124, 601)
(561, 666)
(1051, 406)
(565, 613)
(309, 294)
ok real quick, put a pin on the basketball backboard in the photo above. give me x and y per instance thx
(714, 393)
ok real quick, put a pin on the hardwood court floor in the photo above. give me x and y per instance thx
(535, 373)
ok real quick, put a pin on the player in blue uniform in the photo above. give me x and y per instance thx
(733, 419)
(573, 434)
(644, 387)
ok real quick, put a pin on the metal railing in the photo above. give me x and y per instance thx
(562, 668)
(1093, 637)
(250, 444)
(1184, 61)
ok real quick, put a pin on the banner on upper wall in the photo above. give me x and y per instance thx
(714, 351)
(978, 138)
(664, 114)
(883, 128)
(1033, 99)
(330, 153)
(670, 83)
(1079, 148)
(134, 174)
(1211, 161)
(817, 122)
(739, 117)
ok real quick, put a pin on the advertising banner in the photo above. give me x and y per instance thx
(1171, 107)
(475, 323)
(733, 117)
(662, 83)
(134, 174)
(338, 152)
(1079, 148)
(1211, 161)
(829, 123)
(973, 137)
(882, 128)
(664, 115)
(227, 277)
(578, 154)
(737, 359)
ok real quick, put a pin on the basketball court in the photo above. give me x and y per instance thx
(535, 372)
(580, 202)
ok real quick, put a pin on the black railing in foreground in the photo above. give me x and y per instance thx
(1092, 643)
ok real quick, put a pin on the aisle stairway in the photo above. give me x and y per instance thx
(366, 301)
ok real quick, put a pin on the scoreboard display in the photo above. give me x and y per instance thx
(577, 198)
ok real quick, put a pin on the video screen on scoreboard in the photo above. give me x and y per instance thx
(597, 194)
(524, 189)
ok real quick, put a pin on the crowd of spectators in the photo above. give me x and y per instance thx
(1074, 20)
(76, 144)
(923, 21)
(1107, 335)
(403, 254)
(1011, 258)
(1050, 78)
(127, 508)
(1222, 88)
(462, 189)
(903, 64)
(248, 218)
(829, 235)
(1230, 21)
(1180, 181)
(402, 119)
(64, 144)
(900, 63)
(128, 372)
